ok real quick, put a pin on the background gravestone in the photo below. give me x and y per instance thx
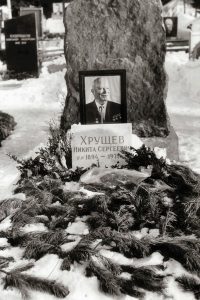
(115, 34)
(21, 45)
(38, 17)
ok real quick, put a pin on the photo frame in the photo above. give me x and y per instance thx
(171, 26)
(103, 96)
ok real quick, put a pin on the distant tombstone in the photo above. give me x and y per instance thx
(38, 15)
(21, 45)
(57, 9)
(171, 27)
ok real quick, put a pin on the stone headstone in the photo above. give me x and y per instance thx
(58, 10)
(119, 35)
(171, 27)
(99, 144)
(38, 17)
(21, 45)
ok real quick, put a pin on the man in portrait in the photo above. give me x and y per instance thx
(102, 109)
(170, 27)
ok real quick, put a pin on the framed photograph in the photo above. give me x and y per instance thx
(171, 26)
(103, 96)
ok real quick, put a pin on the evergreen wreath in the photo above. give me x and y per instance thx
(167, 201)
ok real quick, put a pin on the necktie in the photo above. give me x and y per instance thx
(101, 112)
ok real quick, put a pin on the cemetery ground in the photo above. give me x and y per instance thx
(37, 234)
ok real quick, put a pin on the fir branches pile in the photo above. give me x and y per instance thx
(167, 201)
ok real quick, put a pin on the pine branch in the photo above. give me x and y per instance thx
(56, 238)
(61, 222)
(22, 220)
(56, 210)
(127, 287)
(69, 215)
(98, 203)
(97, 220)
(179, 250)
(168, 222)
(144, 157)
(65, 264)
(129, 245)
(9, 258)
(108, 283)
(37, 249)
(24, 283)
(145, 278)
(186, 181)
(80, 253)
(9, 206)
(125, 243)
(4, 261)
(22, 268)
(124, 220)
(190, 284)
(192, 206)
(107, 263)
(192, 262)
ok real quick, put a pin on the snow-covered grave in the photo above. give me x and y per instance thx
(36, 102)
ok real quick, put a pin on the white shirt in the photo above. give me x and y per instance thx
(102, 109)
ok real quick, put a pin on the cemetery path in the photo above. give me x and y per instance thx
(33, 103)
(30, 133)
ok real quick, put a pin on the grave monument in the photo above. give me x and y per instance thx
(21, 45)
(114, 34)
(38, 11)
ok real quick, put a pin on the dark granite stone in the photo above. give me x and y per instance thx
(21, 45)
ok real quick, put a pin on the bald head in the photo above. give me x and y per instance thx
(169, 24)
(101, 90)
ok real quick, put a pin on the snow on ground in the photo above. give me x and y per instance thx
(54, 25)
(183, 103)
(33, 103)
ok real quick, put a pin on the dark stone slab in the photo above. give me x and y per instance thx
(119, 34)
(21, 45)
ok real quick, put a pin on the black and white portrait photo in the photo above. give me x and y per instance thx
(171, 26)
(102, 97)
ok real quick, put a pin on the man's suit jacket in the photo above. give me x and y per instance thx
(112, 115)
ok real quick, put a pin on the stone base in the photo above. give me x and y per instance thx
(170, 143)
